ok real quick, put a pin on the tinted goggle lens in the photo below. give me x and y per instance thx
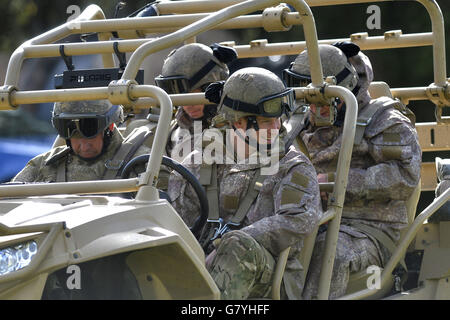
(90, 127)
(87, 127)
(272, 106)
(292, 79)
(173, 85)
(276, 104)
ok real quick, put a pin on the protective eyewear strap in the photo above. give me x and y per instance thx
(201, 73)
(240, 105)
(342, 75)
(293, 79)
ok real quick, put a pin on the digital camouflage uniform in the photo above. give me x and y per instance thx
(384, 171)
(181, 136)
(44, 167)
(286, 207)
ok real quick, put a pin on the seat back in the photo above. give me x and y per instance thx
(379, 89)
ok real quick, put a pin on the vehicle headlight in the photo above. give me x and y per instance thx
(16, 257)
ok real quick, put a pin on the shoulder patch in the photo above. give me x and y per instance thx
(391, 137)
(392, 152)
(291, 195)
(299, 179)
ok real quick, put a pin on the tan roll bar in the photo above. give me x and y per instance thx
(58, 33)
(125, 91)
(431, 6)
(257, 48)
(208, 22)
(336, 198)
(439, 92)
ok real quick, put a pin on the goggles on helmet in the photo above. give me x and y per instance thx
(88, 125)
(173, 84)
(270, 106)
(181, 84)
(293, 79)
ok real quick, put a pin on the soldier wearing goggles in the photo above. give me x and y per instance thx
(190, 69)
(253, 215)
(92, 145)
(384, 171)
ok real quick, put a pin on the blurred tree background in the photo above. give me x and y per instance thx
(25, 19)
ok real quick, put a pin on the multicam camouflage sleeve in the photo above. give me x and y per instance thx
(297, 208)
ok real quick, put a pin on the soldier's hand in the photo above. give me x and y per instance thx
(209, 259)
(323, 177)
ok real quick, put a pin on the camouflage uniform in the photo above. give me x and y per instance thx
(182, 130)
(283, 205)
(44, 167)
(384, 171)
(286, 209)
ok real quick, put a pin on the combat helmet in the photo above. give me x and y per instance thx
(334, 63)
(87, 118)
(194, 66)
(251, 92)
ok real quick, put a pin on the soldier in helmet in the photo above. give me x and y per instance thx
(254, 215)
(94, 150)
(189, 69)
(384, 170)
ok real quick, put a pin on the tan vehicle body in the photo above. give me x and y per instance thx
(73, 222)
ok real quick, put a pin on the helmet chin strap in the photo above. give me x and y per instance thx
(251, 123)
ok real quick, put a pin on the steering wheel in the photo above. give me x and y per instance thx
(186, 174)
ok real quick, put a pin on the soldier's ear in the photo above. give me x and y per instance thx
(241, 123)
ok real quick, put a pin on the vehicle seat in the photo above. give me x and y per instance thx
(358, 280)
(379, 89)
